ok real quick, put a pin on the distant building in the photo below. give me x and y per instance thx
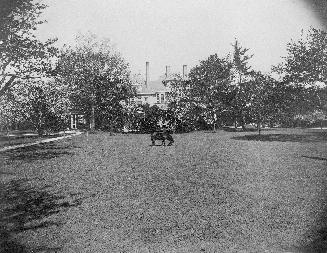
(154, 92)
(77, 120)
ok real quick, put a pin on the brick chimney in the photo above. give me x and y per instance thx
(184, 71)
(146, 73)
(167, 71)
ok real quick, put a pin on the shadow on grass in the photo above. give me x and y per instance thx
(305, 137)
(317, 237)
(6, 173)
(232, 129)
(42, 151)
(24, 208)
(160, 145)
(315, 158)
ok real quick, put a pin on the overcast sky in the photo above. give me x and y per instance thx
(177, 32)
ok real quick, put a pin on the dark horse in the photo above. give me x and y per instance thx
(162, 135)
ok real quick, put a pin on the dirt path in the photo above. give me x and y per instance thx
(38, 142)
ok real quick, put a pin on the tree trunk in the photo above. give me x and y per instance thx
(39, 125)
(7, 85)
(8, 137)
(242, 122)
(92, 120)
(259, 127)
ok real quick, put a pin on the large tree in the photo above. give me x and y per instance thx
(209, 87)
(40, 104)
(22, 55)
(266, 100)
(179, 112)
(305, 69)
(10, 114)
(241, 75)
(306, 59)
(99, 78)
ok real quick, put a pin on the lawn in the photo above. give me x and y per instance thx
(209, 192)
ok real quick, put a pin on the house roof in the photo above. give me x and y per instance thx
(153, 87)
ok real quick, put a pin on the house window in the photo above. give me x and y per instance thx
(162, 98)
(158, 98)
(145, 99)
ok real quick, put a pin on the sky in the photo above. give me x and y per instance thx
(178, 32)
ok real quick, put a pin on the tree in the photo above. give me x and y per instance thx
(9, 112)
(241, 69)
(152, 116)
(241, 74)
(99, 78)
(209, 88)
(265, 99)
(305, 68)
(22, 55)
(179, 104)
(305, 63)
(42, 104)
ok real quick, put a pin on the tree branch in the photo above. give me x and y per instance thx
(7, 85)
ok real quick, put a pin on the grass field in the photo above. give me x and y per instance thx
(209, 192)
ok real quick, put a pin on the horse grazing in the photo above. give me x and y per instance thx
(163, 136)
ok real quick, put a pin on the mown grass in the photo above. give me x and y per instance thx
(209, 192)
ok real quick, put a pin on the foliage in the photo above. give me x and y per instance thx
(99, 78)
(179, 88)
(180, 111)
(152, 117)
(265, 103)
(305, 69)
(219, 90)
(240, 78)
(149, 117)
(241, 61)
(9, 112)
(145, 118)
(44, 104)
(209, 88)
(306, 59)
(22, 55)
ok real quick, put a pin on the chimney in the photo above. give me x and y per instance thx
(146, 73)
(167, 71)
(184, 71)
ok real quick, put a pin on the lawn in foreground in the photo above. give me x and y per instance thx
(215, 192)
